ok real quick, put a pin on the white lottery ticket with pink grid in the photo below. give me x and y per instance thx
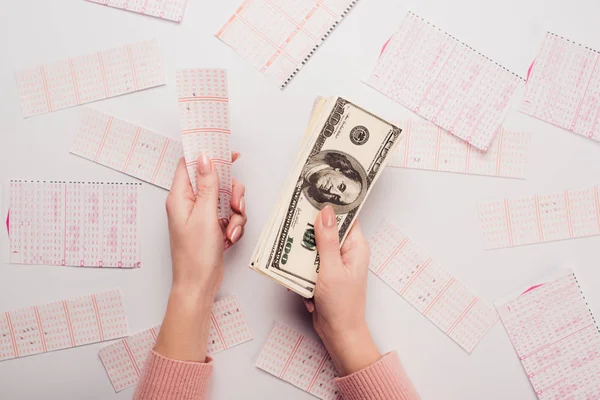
(428, 287)
(563, 87)
(81, 224)
(62, 325)
(301, 361)
(556, 338)
(203, 100)
(166, 9)
(127, 148)
(279, 36)
(433, 74)
(425, 145)
(74, 81)
(540, 218)
(125, 359)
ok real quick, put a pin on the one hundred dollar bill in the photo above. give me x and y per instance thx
(344, 150)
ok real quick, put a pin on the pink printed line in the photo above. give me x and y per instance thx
(414, 277)
(160, 160)
(133, 71)
(325, 8)
(391, 256)
(259, 33)
(75, 85)
(103, 73)
(317, 372)
(539, 218)
(499, 156)
(154, 335)
(557, 341)
(508, 223)
(439, 296)
(202, 130)
(132, 149)
(438, 140)
(437, 77)
(197, 99)
(12, 334)
(46, 89)
(98, 321)
(572, 127)
(69, 325)
(468, 158)
(40, 328)
(218, 329)
(131, 357)
(104, 137)
(568, 208)
(407, 139)
(299, 26)
(462, 316)
(291, 357)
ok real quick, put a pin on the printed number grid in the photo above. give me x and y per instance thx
(424, 145)
(172, 10)
(445, 81)
(80, 224)
(88, 78)
(301, 361)
(62, 325)
(436, 294)
(125, 359)
(563, 87)
(203, 100)
(556, 339)
(279, 36)
(540, 218)
(127, 148)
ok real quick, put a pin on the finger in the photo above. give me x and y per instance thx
(355, 250)
(328, 241)
(238, 199)
(235, 229)
(207, 188)
(180, 201)
(309, 304)
(354, 238)
(235, 156)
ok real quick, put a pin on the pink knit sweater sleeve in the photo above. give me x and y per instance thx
(384, 380)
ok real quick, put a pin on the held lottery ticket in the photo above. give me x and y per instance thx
(425, 145)
(540, 218)
(203, 100)
(62, 325)
(563, 87)
(127, 148)
(88, 78)
(436, 294)
(433, 74)
(167, 9)
(556, 338)
(278, 37)
(301, 361)
(82, 224)
(125, 359)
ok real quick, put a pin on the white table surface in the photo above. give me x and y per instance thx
(436, 209)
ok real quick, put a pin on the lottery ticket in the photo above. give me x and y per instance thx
(166, 9)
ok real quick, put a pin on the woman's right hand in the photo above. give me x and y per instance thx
(338, 307)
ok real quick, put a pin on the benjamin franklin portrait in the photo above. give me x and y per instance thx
(336, 178)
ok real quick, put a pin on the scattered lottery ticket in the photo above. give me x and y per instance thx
(425, 145)
(82, 224)
(62, 325)
(127, 148)
(563, 86)
(432, 290)
(540, 218)
(442, 79)
(88, 78)
(278, 37)
(301, 361)
(125, 359)
(166, 9)
(203, 100)
(556, 338)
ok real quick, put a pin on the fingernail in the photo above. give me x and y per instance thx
(328, 217)
(204, 165)
(242, 205)
(235, 235)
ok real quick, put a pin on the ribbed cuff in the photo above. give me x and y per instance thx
(384, 380)
(164, 378)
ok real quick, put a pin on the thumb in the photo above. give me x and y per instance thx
(328, 240)
(207, 187)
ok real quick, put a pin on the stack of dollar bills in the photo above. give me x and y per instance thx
(344, 150)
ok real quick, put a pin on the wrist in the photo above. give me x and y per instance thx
(192, 297)
(352, 349)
